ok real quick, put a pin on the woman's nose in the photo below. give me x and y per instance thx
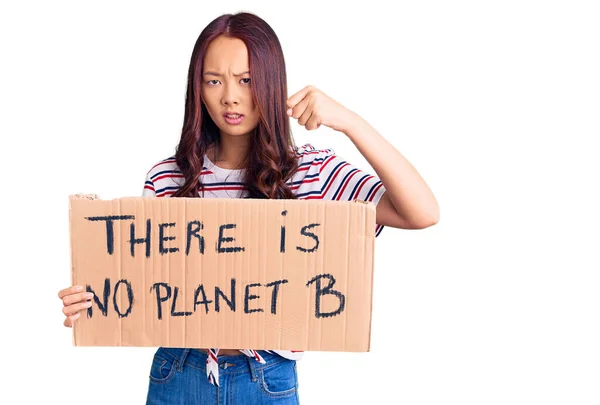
(230, 97)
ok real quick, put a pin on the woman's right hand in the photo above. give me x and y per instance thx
(75, 300)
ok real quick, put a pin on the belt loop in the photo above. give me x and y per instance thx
(252, 367)
(182, 359)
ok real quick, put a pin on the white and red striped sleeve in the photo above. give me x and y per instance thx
(148, 190)
(340, 180)
(163, 179)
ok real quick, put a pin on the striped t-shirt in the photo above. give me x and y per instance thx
(321, 175)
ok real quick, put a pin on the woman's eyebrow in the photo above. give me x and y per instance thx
(210, 73)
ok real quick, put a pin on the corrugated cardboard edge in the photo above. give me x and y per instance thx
(372, 272)
(372, 276)
(72, 197)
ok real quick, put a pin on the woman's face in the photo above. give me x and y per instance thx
(226, 87)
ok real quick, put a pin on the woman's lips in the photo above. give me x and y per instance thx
(233, 118)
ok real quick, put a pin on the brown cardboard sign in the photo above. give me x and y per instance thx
(224, 273)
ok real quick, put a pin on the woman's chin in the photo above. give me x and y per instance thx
(239, 131)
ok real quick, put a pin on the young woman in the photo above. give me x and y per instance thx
(236, 143)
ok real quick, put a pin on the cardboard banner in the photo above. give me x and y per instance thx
(224, 273)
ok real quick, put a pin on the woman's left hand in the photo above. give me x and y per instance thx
(313, 108)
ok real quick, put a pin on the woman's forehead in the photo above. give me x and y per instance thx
(226, 55)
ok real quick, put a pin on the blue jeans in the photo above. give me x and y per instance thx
(178, 376)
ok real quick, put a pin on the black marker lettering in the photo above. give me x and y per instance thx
(326, 291)
(275, 285)
(218, 293)
(310, 234)
(223, 239)
(282, 238)
(174, 303)
(110, 236)
(133, 241)
(105, 294)
(204, 301)
(159, 298)
(162, 239)
(198, 226)
(248, 297)
(129, 298)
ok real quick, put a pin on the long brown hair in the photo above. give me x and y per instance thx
(271, 159)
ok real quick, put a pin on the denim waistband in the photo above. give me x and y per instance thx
(227, 364)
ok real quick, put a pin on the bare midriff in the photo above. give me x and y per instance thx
(225, 352)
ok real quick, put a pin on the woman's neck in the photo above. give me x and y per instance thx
(231, 152)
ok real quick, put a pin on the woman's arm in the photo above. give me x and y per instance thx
(408, 202)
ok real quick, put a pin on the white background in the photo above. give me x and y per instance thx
(495, 103)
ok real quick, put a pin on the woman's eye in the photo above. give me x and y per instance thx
(213, 82)
(246, 80)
